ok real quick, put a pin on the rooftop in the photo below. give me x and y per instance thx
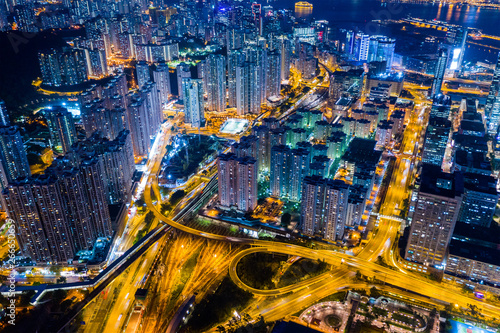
(473, 160)
(480, 183)
(234, 126)
(362, 150)
(471, 126)
(473, 251)
(474, 233)
(471, 143)
(434, 181)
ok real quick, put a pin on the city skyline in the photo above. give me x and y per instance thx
(249, 167)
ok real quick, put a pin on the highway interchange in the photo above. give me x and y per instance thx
(305, 293)
(276, 303)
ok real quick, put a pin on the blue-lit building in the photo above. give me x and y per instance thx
(439, 72)
(441, 106)
(479, 200)
(63, 66)
(61, 127)
(474, 255)
(492, 106)
(436, 140)
(13, 158)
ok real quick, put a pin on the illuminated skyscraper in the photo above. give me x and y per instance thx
(439, 73)
(306, 63)
(72, 188)
(247, 146)
(12, 156)
(117, 157)
(227, 179)
(335, 208)
(324, 207)
(246, 195)
(194, 112)
(108, 122)
(361, 47)
(257, 17)
(441, 106)
(96, 63)
(138, 123)
(313, 201)
(479, 200)
(280, 170)
(263, 147)
(61, 127)
(381, 48)
(62, 211)
(247, 89)
(63, 67)
(237, 179)
(492, 106)
(436, 213)
(436, 140)
(457, 37)
(142, 72)
(95, 184)
(38, 209)
(161, 77)
(299, 168)
(235, 58)
(183, 72)
(235, 38)
(215, 81)
(257, 55)
(287, 170)
(4, 114)
(150, 95)
(285, 50)
(19, 199)
(273, 74)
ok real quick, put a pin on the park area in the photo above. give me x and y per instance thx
(271, 271)
(185, 156)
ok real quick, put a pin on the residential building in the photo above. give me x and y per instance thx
(194, 111)
(436, 212)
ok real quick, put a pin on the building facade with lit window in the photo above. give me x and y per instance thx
(237, 179)
(324, 207)
(194, 111)
(63, 66)
(436, 139)
(435, 215)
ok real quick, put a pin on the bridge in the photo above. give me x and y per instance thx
(103, 278)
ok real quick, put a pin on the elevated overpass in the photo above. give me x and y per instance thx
(103, 278)
(346, 264)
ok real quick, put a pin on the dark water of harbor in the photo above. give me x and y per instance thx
(358, 14)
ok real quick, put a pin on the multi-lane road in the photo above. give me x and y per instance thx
(308, 292)
(117, 300)
(303, 294)
(345, 264)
